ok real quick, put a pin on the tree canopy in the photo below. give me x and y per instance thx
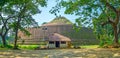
(106, 12)
(17, 14)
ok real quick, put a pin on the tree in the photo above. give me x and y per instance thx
(4, 22)
(103, 33)
(92, 9)
(21, 12)
(24, 9)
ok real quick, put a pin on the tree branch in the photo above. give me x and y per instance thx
(111, 7)
(1, 17)
(118, 31)
(118, 28)
(10, 17)
(22, 10)
(110, 21)
(6, 31)
(105, 23)
(115, 10)
(2, 30)
(118, 17)
(4, 27)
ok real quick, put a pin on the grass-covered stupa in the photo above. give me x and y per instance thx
(61, 20)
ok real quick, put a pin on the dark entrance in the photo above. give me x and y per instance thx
(57, 44)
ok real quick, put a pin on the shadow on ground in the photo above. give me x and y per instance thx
(61, 53)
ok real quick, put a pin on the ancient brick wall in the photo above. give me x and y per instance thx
(37, 34)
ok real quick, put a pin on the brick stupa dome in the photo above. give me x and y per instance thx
(59, 21)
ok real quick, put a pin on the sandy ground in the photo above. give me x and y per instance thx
(61, 53)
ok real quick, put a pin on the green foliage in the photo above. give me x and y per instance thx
(77, 26)
(7, 46)
(28, 47)
(61, 20)
(17, 15)
(89, 46)
(97, 14)
(105, 40)
(103, 33)
(25, 31)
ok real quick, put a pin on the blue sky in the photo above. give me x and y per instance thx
(45, 16)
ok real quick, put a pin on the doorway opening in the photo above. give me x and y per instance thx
(57, 44)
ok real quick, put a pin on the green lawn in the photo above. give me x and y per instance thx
(89, 46)
(29, 47)
(32, 47)
(4, 48)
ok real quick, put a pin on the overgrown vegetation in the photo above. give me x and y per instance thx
(103, 12)
(16, 15)
(61, 20)
(83, 33)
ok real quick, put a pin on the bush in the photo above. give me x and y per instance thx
(9, 46)
(106, 42)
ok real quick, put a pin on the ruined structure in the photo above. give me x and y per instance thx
(60, 26)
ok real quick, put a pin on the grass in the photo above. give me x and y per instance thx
(89, 46)
(8, 47)
(4, 48)
(23, 47)
(32, 47)
(29, 47)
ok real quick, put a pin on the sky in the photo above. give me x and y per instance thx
(45, 16)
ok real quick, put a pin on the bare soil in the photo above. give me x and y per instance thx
(62, 53)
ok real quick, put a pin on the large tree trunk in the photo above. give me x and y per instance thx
(16, 37)
(4, 41)
(115, 35)
(3, 37)
(16, 33)
(114, 22)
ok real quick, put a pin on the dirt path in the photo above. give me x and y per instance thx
(61, 53)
